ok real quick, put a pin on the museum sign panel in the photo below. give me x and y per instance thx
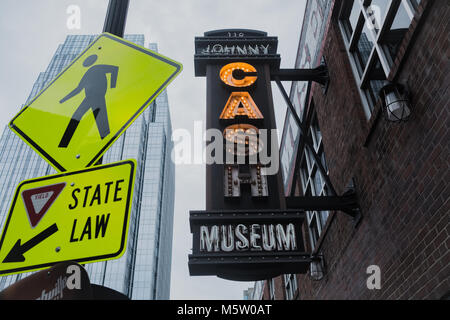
(245, 233)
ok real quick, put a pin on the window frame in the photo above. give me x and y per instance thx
(378, 49)
(271, 287)
(290, 285)
(308, 171)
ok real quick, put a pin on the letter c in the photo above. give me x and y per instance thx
(226, 74)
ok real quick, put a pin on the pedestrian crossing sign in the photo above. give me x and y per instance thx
(83, 111)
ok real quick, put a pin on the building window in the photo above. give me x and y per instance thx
(372, 32)
(361, 52)
(395, 33)
(349, 18)
(271, 284)
(374, 81)
(290, 286)
(417, 2)
(312, 181)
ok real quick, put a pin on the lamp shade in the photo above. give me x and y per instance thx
(395, 102)
(317, 268)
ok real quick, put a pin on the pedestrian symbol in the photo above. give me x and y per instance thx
(95, 85)
(79, 115)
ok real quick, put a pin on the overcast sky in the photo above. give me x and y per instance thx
(31, 31)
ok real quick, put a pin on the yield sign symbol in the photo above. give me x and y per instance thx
(38, 200)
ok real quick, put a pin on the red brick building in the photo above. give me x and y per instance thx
(400, 169)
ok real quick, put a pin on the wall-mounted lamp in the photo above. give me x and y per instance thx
(317, 268)
(396, 106)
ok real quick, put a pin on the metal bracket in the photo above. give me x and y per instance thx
(319, 75)
(307, 141)
(347, 203)
(317, 267)
(355, 210)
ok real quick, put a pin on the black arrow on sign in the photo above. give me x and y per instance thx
(17, 251)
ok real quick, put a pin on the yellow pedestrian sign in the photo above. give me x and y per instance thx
(73, 216)
(80, 114)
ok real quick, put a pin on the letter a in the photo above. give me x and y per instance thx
(74, 20)
(374, 280)
(74, 280)
(241, 104)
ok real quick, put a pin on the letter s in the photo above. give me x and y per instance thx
(74, 198)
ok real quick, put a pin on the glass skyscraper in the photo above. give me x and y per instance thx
(143, 272)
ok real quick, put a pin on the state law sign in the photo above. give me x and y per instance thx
(80, 114)
(75, 216)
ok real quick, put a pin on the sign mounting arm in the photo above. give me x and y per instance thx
(307, 141)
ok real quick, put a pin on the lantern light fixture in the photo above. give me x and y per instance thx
(317, 268)
(396, 105)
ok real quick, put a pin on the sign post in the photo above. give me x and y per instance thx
(116, 17)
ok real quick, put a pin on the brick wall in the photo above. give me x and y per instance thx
(402, 172)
